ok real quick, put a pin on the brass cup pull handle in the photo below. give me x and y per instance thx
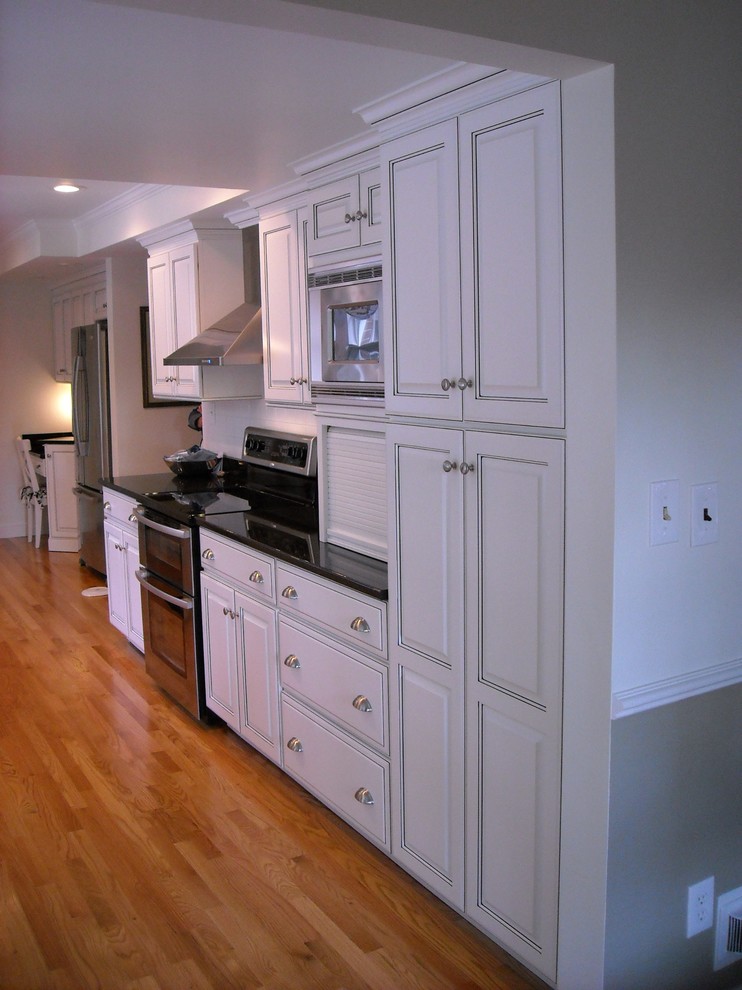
(364, 796)
(294, 744)
(292, 661)
(208, 554)
(256, 577)
(362, 703)
(290, 592)
(359, 624)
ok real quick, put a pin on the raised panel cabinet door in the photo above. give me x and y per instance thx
(422, 319)
(118, 613)
(511, 260)
(62, 326)
(64, 523)
(133, 592)
(162, 340)
(333, 220)
(220, 650)
(185, 314)
(257, 655)
(426, 609)
(514, 506)
(372, 215)
(284, 351)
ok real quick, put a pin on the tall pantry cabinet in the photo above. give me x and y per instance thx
(474, 344)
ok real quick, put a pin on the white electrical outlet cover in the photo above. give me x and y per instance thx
(700, 907)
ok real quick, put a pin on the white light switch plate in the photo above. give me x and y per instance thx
(664, 500)
(704, 514)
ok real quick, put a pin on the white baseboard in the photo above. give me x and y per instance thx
(676, 688)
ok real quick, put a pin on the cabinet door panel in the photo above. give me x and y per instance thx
(257, 647)
(220, 659)
(328, 207)
(421, 263)
(186, 323)
(511, 257)
(134, 593)
(283, 320)
(161, 339)
(115, 577)
(426, 557)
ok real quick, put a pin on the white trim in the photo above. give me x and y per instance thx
(677, 688)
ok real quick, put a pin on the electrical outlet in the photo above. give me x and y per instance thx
(704, 514)
(664, 497)
(700, 907)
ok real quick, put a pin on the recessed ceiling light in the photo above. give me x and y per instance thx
(67, 187)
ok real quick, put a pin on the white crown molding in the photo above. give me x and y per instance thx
(183, 232)
(673, 689)
(289, 196)
(354, 155)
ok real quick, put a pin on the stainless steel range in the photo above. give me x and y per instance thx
(271, 492)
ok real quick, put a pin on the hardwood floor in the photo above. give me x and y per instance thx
(143, 851)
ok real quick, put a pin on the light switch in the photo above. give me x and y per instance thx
(704, 514)
(663, 512)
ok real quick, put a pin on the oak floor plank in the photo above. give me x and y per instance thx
(140, 850)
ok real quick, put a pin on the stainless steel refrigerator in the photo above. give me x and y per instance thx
(91, 426)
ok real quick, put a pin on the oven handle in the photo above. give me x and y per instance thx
(141, 575)
(178, 533)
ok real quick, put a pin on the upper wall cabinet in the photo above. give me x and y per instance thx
(76, 304)
(284, 295)
(473, 265)
(195, 278)
(345, 213)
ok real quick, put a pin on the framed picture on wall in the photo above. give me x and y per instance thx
(147, 398)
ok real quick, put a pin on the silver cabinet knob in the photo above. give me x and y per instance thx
(292, 661)
(294, 381)
(208, 554)
(289, 592)
(360, 215)
(359, 624)
(464, 383)
(132, 517)
(348, 218)
(362, 703)
(256, 577)
(364, 796)
(229, 612)
(466, 468)
(294, 744)
(107, 506)
(448, 383)
(449, 466)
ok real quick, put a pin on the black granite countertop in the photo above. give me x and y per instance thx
(301, 547)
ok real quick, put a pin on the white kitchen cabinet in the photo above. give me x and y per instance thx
(345, 213)
(473, 265)
(239, 630)
(64, 523)
(284, 300)
(76, 304)
(195, 279)
(491, 687)
(122, 560)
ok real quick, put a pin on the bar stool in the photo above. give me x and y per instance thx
(33, 495)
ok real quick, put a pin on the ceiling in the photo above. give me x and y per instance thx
(126, 100)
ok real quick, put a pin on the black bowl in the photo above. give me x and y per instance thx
(192, 463)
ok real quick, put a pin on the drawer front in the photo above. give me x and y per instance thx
(351, 782)
(236, 563)
(119, 508)
(349, 688)
(353, 617)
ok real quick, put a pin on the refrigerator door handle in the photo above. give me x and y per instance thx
(80, 408)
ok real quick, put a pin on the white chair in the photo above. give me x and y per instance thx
(33, 494)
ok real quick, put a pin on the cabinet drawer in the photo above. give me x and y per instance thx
(342, 775)
(119, 508)
(351, 689)
(354, 617)
(237, 563)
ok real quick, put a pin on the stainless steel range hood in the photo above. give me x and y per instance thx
(238, 337)
(235, 339)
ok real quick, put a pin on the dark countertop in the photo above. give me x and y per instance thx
(38, 440)
(302, 548)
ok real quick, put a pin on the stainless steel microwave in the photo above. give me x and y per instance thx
(346, 322)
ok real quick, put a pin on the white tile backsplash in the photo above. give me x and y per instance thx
(224, 422)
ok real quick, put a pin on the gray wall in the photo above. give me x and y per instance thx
(675, 819)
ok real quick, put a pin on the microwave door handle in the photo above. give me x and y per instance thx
(178, 533)
(141, 575)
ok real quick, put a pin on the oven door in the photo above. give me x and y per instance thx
(170, 631)
(165, 548)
